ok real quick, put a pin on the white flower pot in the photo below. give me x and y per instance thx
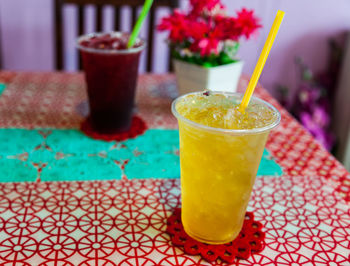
(192, 77)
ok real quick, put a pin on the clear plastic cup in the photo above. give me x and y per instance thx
(111, 77)
(218, 170)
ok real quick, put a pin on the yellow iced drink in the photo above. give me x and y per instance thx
(220, 152)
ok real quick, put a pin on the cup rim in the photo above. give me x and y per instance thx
(109, 51)
(228, 131)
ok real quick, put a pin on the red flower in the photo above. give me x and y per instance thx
(205, 29)
(247, 22)
(177, 24)
(205, 7)
(226, 28)
(206, 46)
(198, 29)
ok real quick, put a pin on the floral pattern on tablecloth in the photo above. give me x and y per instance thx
(122, 222)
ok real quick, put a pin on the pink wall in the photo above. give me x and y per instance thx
(26, 29)
(304, 32)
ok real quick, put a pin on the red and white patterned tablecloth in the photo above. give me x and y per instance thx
(305, 212)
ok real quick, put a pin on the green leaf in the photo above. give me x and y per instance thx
(225, 59)
(207, 64)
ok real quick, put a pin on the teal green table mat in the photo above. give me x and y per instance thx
(67, 155)
(2, 88)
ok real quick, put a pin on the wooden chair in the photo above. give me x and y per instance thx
(99, 4)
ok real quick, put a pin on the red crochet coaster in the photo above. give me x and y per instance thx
(138, 127)
(250, 240)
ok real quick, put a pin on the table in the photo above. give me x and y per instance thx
(114, 212)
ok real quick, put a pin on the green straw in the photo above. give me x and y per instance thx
(135, 32)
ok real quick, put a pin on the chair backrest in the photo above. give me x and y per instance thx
(99, 4)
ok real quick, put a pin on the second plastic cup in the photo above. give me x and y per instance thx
(111, 77)
(218, 170)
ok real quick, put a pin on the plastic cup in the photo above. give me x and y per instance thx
(111, 77)
(218, 170)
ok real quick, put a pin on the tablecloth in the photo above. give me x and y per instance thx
(120, 219)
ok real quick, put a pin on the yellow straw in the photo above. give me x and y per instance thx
(261, 62)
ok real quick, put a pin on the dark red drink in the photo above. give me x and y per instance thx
(111, 71)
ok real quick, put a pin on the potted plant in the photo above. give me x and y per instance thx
(204, 42)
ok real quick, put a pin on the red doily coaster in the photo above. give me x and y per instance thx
(138, 127)
(250, 240)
